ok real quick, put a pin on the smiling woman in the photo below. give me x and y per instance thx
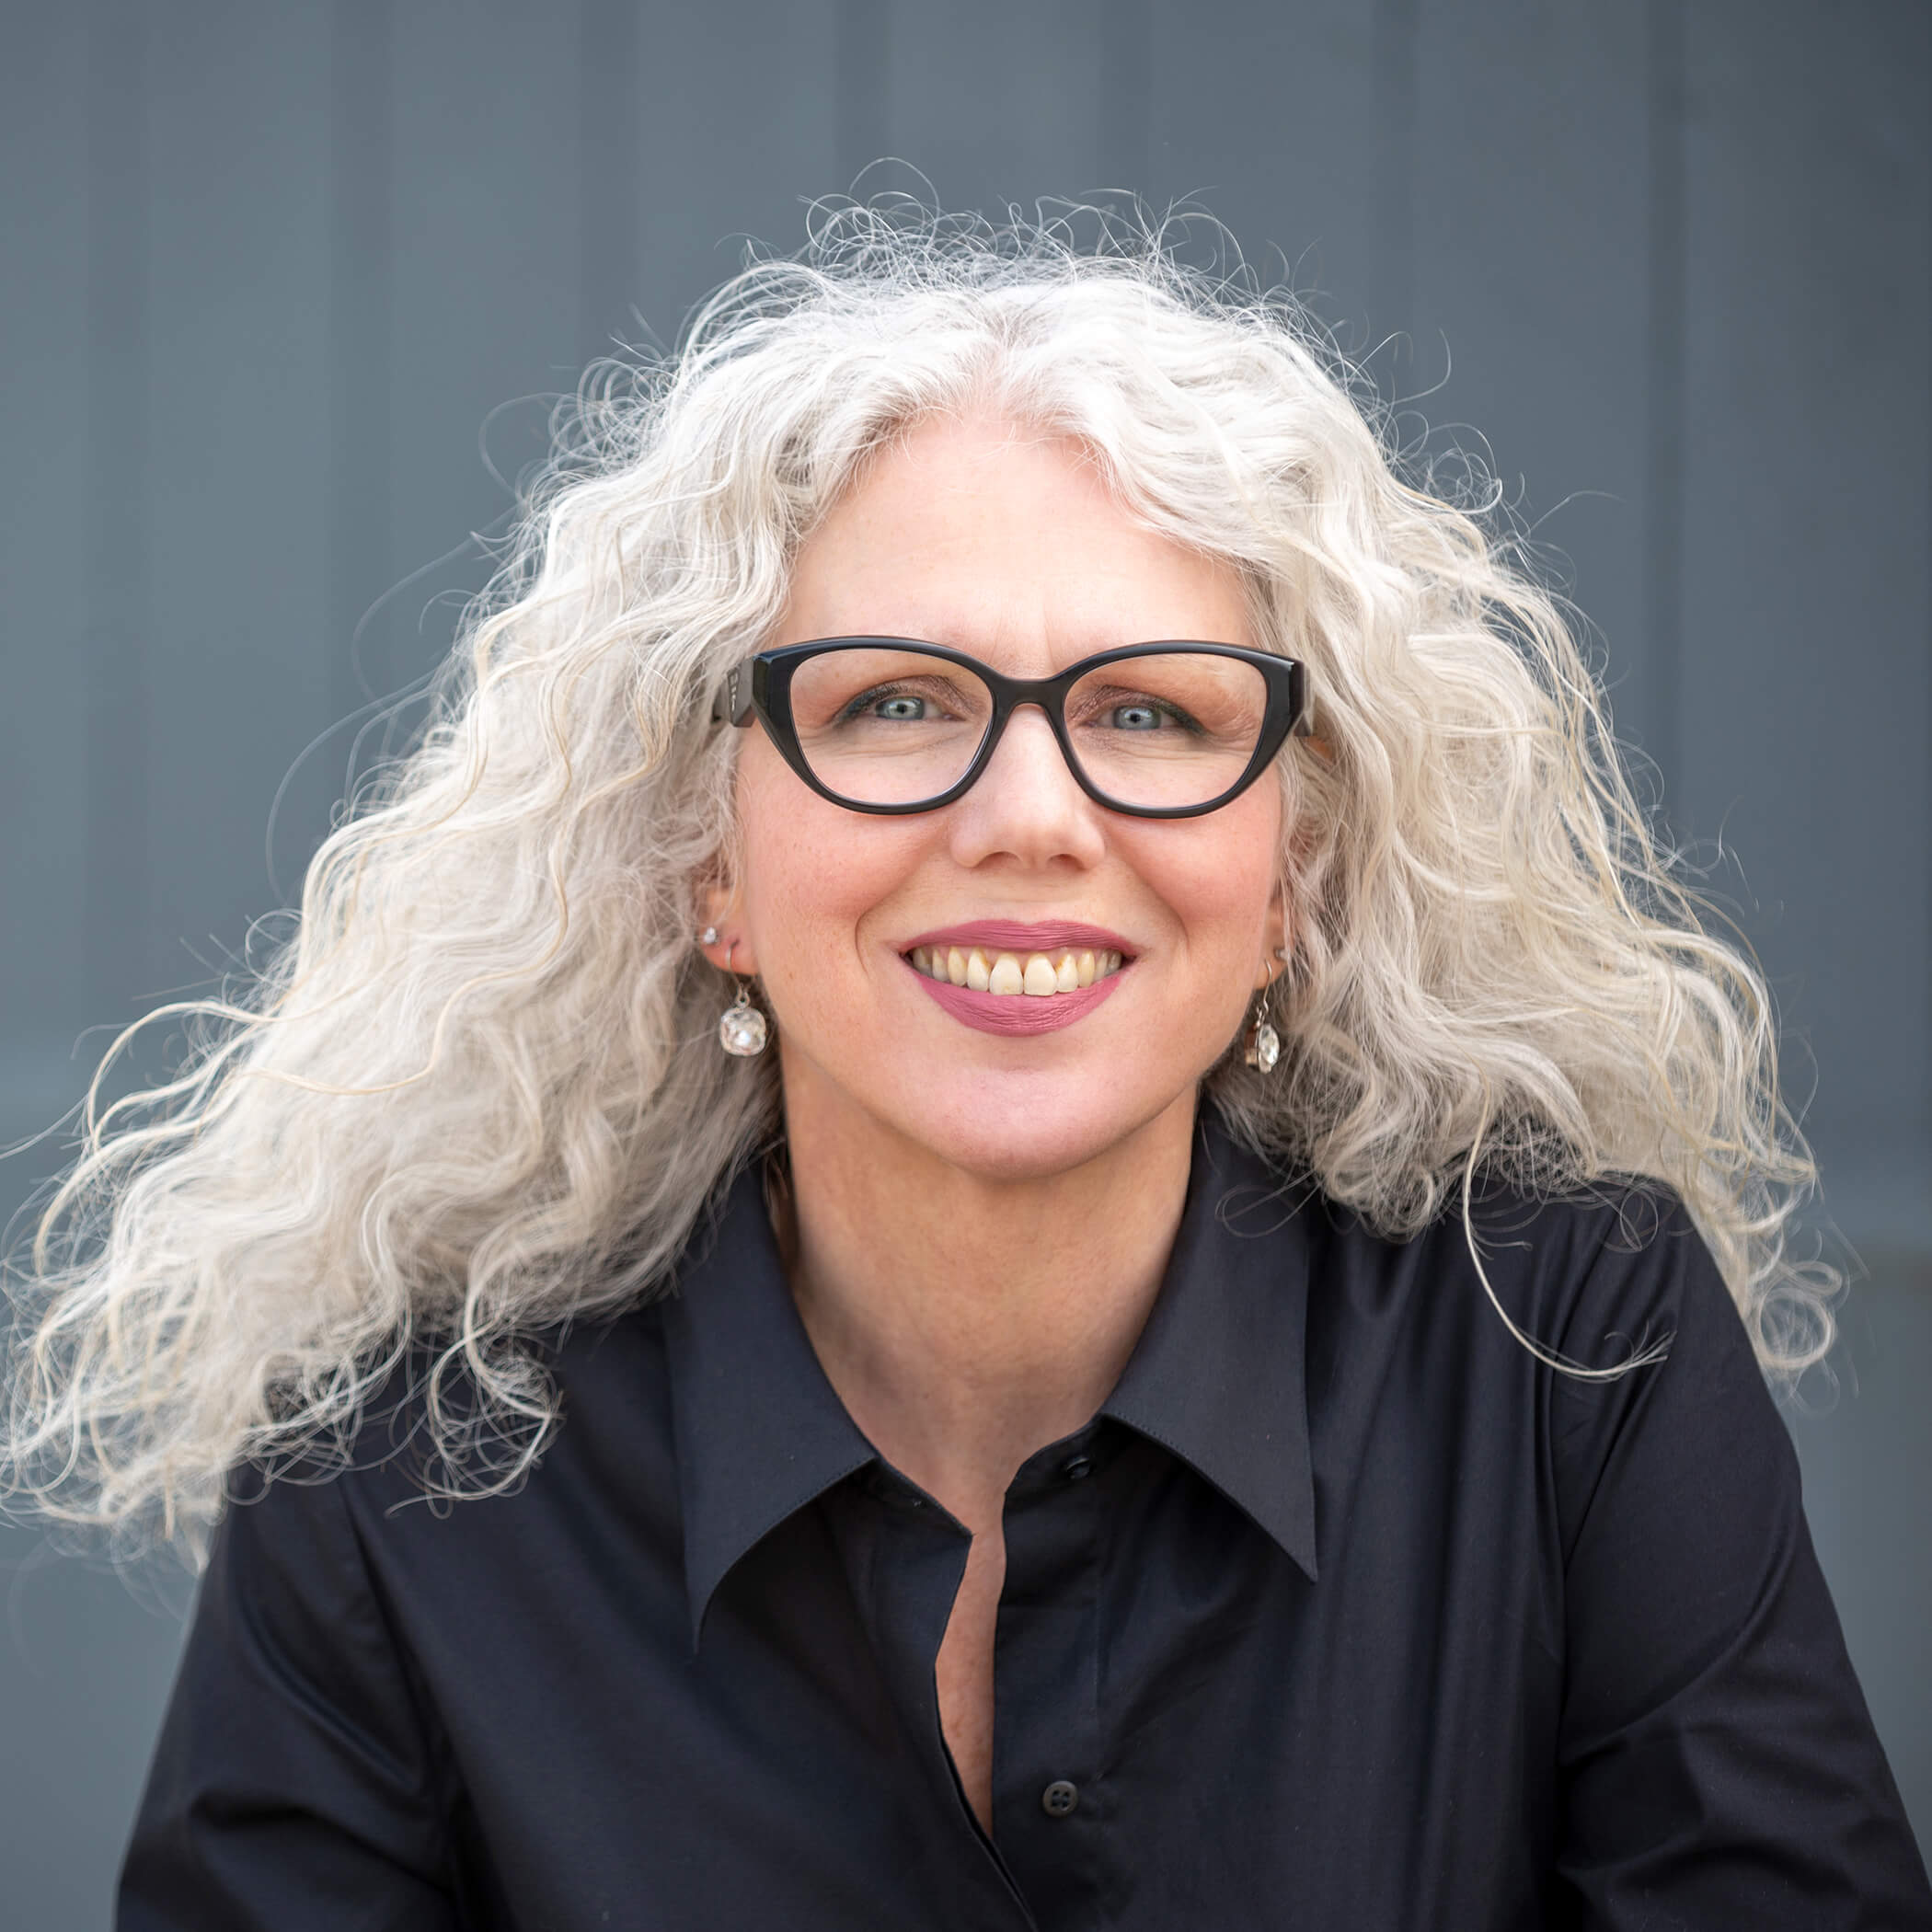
(1192, 1349)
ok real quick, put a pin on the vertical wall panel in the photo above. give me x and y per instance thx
(1396, 55)
(1664, 427)
(1264, 115)
(238, 107)
(484, 330)
(1864, 1496)
(1531, 290)
(861, 51)
(1807, 683)
(46, 550)
(1805, 694)
(610, 191)
(996, 102)
(362, 379)
(738, 127)
(116, 935)
(83, 1668)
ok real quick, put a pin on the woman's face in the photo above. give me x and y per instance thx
(1004, 544)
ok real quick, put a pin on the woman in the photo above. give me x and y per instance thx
(1012, 1121)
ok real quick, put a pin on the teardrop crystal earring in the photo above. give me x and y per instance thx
(742, 1028)
(1264, 1044)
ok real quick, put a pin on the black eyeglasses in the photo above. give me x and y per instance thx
(1162, 730)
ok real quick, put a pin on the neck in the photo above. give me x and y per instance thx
(967, 1322)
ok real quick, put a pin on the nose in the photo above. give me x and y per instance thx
(1027, 804)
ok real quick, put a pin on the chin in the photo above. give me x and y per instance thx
(1015, 1128)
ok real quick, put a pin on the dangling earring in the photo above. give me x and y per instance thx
(1264, 1044)
(740, 1027)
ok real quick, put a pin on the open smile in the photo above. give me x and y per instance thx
(1002, 977)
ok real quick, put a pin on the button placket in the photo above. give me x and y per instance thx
(1047, 1751)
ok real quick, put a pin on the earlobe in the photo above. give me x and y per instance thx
(729, 952)
(719, 934)
(1274, 939)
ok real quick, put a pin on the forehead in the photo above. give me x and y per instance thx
(1006, 542)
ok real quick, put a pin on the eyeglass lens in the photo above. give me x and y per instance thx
(885, 727)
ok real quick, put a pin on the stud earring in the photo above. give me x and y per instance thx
(708, 937)
(1264, 1044)
(742, 1028)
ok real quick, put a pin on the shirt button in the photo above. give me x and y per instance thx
(1074, 1468)
(1059, 1798)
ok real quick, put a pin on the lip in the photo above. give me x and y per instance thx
(1015, 1013)
(1021, 1014)
(1016, 936)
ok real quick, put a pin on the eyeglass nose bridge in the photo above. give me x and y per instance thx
(1047, 696)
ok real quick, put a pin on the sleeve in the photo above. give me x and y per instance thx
(292, 1787)
(1718, 1765)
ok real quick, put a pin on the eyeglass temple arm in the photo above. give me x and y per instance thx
(1304, 725)
(733, 703)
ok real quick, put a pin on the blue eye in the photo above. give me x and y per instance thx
(1136, 717)
(892, 706)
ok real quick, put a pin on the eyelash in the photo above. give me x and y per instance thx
(866, 701)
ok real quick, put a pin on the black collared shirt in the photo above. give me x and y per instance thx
(1343, 1612)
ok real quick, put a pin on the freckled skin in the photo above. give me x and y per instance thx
(983, 1218)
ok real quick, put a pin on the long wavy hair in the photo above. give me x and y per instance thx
(477, 1090)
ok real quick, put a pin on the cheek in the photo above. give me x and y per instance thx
(1220, 882)
(811, 872)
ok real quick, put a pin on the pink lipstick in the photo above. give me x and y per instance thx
(1017, 1013)
(1013, 936)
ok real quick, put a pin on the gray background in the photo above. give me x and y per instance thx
(272, 271)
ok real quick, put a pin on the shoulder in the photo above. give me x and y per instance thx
(1608, 1274)
(1595, 1275)
(1657, 1425)
(1635, 1388)
(575, 1407)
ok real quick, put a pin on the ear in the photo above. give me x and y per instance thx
(1275, 941)
(719, 910)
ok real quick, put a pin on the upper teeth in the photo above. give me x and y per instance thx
(1035, 972)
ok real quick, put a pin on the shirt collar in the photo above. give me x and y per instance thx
(759, 1429)
(1218, 1376)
